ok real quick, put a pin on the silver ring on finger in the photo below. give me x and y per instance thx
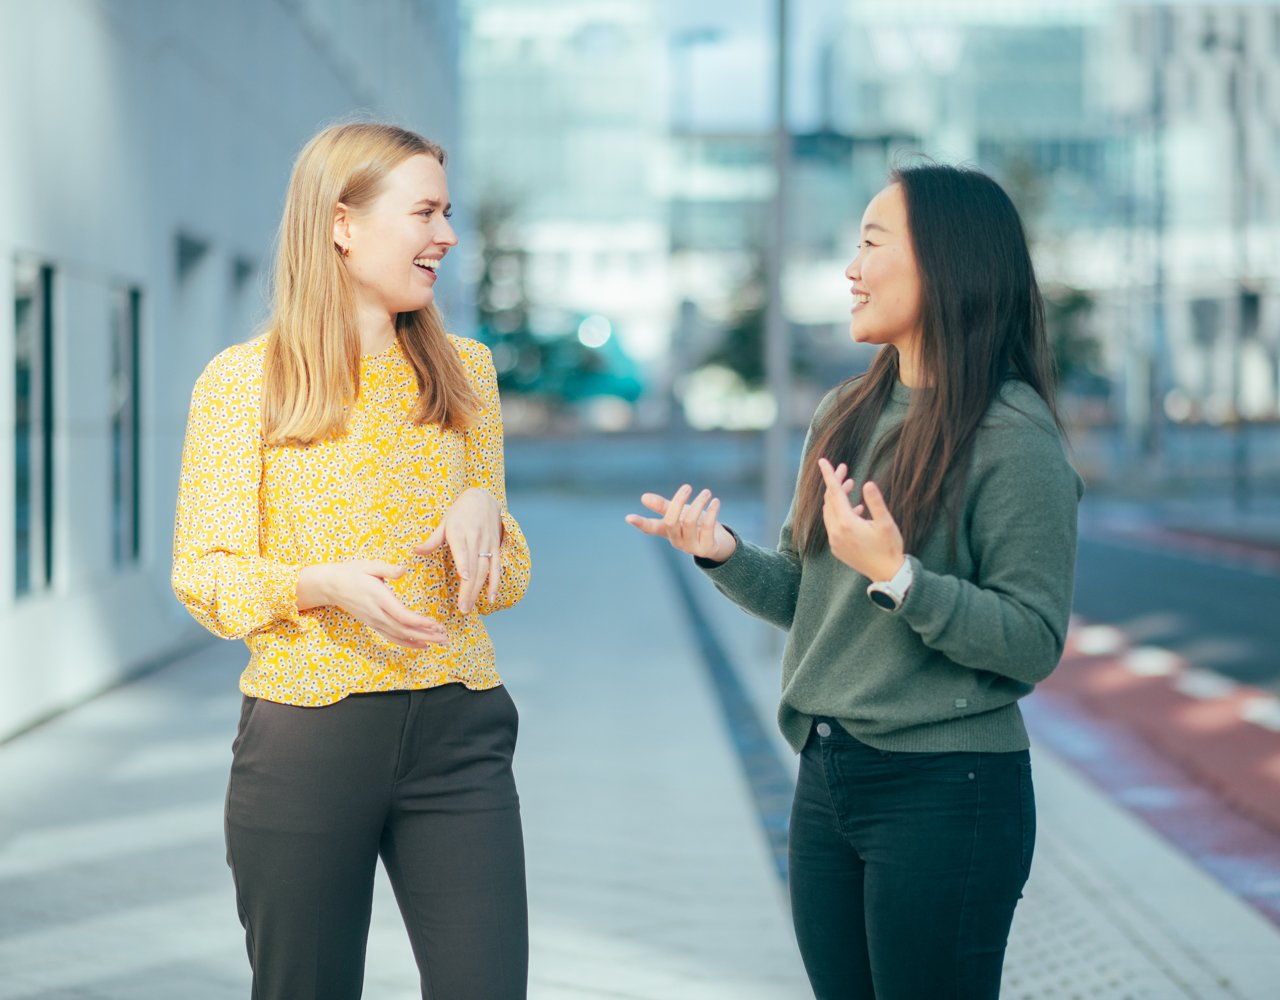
(485, 555)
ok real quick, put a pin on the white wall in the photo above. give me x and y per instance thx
(122, 124)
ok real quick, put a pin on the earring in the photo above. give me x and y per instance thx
(345, 251)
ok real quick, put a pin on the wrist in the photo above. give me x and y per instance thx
(891, 593)
(313, 587)
(726, 545)
(888, 570)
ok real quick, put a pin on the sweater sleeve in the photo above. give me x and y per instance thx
(485, 470)
(763, 582)
(219, 573)
(1011, 619)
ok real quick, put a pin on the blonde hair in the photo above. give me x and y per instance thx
(312, 366)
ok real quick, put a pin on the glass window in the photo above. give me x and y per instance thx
(33, 426)
(125, 424)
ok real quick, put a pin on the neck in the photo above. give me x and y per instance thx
(377, 328)
(908, 366)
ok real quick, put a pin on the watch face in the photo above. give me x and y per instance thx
(883, 600)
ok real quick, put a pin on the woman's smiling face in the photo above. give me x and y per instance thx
(398, 242)
(884, 275)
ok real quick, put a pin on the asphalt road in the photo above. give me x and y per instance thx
(1220, 616)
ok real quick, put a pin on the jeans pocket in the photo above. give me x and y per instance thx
(947, 765)
(1027, 807)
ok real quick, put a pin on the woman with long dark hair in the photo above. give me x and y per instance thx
(924, 575)
(342, 510)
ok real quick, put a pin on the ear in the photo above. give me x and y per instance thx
(342, 225)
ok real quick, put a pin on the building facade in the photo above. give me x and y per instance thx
(142, 175)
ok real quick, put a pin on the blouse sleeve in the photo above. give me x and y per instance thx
(485, 470)
(219, 573)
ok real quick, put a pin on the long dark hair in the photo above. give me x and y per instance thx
(982, 322)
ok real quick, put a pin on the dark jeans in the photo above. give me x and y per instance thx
(905, 868)
(422, 779)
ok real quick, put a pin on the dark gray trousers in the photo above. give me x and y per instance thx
(421, 779)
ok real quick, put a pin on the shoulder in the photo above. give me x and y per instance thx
(832, 397)
(1018, 409)
(237, 367)
(473, 354)
(477, 360)
(1019, 437)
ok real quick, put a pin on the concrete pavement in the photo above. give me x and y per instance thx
(651, 874)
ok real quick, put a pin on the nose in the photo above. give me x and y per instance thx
(446, 236)
(854, 269)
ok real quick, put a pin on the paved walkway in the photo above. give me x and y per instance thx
(650, 872)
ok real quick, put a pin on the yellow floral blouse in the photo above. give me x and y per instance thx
(251, 516)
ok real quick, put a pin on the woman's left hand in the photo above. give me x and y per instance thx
(472, 527)
(871, 545)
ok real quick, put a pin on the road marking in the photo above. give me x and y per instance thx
(1151, 661)
(1203, 684)
(1099, 640)
(1263, 711)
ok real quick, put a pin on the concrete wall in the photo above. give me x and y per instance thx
(125, 127)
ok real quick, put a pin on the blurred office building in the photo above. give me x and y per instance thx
(1014, 89)
(147, 149)
(1195, 93)
(564, 135)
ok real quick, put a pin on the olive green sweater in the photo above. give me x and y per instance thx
(976, 631)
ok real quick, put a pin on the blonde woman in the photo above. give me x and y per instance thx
(342, 510)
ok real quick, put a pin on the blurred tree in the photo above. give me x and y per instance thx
(741, 349)
(1075, 349)
(501, 299)
(1067, 308)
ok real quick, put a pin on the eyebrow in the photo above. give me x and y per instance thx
(431, 203)
(873, 225)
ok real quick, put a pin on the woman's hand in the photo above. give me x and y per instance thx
(472, 527)
(360, 588)
(690, 527)
(871, 545)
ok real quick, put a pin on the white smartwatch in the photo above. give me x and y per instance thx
(889, 594)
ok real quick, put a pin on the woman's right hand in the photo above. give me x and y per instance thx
(690, 527)
(360, 588)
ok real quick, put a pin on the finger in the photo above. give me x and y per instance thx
(464, 559)
(495, 575)
(655, 502)
(828, 474)
(874, 500)
(837, 492)
(470, 588)
(484, 570)
(695, 509)
(399, 623)
(707, 529)
(676, 507)
(432, 543)
(472, 581)
(380, 569)
(649, 525)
